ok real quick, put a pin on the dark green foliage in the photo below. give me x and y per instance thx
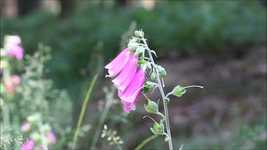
(194, 27)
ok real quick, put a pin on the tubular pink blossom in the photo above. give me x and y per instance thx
(127, 74)
(117, 64)
(13, 47)
(130, 95)
(15, 51)
(28, 145)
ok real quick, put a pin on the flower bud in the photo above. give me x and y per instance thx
(178, 91)
(162, 71)
(149, 86)
(152, 107)
(158, 128)
(139, 33)
(132, 46)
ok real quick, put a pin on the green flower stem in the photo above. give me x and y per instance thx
(194, 86)
(140, 146)
(82, 113)
(165, 102)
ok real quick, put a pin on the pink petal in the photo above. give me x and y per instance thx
(28, 145)
(118, 63)
(15, 79)
(127, 74)
(129, 96)
(15, 51)
(127, 107)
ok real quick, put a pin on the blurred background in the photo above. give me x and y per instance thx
(220, 44)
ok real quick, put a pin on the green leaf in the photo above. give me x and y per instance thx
(178, 91)
(152, 107)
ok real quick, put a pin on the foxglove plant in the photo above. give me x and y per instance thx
(134, 71)
(39, 135)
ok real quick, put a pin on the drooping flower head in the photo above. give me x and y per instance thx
(128, 77)
(13, 47)
(28, 145)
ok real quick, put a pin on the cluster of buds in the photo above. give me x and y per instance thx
(40, 135)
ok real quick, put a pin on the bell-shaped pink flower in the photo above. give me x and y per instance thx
(51, 137)
(130, 95)
(117, 64)
(129, 78)
(13, 47)
(127, 74)
(28, 145)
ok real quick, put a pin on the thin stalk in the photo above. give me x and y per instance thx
(101, 121)
(165, 103)
(84, 108)
(140, 146)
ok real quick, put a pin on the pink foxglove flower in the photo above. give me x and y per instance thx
(13, 47)
(129, 97)
(129, 78)
(28, 145)
(117, 64)
(51, 137)
(127, 74)
(12, 83)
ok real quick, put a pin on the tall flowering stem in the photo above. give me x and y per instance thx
(135, 71)
(163, 95)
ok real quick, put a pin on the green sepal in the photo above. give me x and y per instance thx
(158, 128)
(151, 107)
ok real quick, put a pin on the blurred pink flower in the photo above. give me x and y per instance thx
(26, 126)
(28, 145)
(129, 78)
(13, 47)
(12, 83)
(51, 137)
